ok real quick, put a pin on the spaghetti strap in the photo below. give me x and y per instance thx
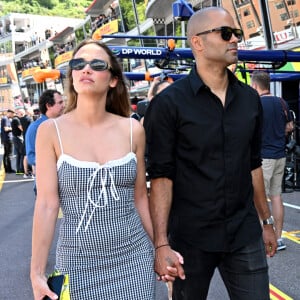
(58, 135)
(130, 134)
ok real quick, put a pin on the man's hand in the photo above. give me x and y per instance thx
(270, 240)
(168, 264)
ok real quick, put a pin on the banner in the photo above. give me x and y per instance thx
(62, 59)
(108, 28)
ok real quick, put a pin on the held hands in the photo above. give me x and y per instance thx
(41, 289)
(168, 264)
(269, 240)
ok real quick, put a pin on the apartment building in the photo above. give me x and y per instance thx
(30, 50)
(24, 44)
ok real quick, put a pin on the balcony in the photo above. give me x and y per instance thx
(159, 9)
(97, 7)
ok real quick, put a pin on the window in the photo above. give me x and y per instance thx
(250, 24)
(291, 2)
(247, 12)
(279, 5)
(294, 13)
(284, 17)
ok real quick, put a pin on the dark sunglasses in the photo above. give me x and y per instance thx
(95, 64)
(226, 33)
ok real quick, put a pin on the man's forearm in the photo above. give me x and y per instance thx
(160, 204)
(260, 199)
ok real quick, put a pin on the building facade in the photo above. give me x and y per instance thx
(24, 44)
(32, 51)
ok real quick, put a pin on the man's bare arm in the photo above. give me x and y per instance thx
(168, 264)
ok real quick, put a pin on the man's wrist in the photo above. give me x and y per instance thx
(268, 221)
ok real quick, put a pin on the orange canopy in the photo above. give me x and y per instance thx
(42, 74)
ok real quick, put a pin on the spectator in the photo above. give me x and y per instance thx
(26, 120)
(273, 147)
(51, 105)
(18, 141)
(6, 140)
(158, 84)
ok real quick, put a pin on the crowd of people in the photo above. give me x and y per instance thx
(14, 125)
(210, 176)
(104, 18)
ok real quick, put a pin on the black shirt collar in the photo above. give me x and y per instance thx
(197, 83)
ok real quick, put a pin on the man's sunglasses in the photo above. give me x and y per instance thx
(226, 33)
(95, 64)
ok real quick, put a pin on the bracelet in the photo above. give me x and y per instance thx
(164, 245)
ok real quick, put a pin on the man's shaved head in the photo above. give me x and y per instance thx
(201, 20)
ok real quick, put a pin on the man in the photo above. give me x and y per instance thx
(207, 192)
(6, 140)
(26, 120)
(157, 85)
(18, 141)
(51, 105)
(273, 147)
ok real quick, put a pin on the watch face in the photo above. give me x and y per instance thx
(269, 221)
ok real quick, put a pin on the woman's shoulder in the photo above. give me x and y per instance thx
(47, 124)
(128, 122)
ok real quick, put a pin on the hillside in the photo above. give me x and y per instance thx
(62, 8)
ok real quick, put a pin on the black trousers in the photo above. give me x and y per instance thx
(19, 149)
(7, 155)
(244, 272)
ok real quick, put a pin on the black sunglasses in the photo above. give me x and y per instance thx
(226, 33)
(95, 64)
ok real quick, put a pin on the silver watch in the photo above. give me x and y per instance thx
(269, 221)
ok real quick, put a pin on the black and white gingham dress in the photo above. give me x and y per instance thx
(102, 244)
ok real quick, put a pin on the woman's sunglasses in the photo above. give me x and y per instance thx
(95, 64)
(226, 33)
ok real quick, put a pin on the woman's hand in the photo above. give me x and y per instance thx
(168, 264)
(41, 288)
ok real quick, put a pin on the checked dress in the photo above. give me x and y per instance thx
(102, 244)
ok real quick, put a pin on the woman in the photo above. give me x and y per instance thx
(90, 161)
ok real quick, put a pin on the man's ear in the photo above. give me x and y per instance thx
(196, 42)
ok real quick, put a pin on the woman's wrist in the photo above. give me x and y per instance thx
(160, 246)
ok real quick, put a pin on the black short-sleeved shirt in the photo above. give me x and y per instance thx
(25, 122)
(5, 135)
(208, 151)
(15, 123)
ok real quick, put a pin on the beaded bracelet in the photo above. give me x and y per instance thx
(164, 245)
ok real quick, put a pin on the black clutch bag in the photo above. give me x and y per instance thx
(55, 284)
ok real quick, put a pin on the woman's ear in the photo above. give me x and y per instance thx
(113, 82)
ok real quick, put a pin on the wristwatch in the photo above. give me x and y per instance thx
(268, 221)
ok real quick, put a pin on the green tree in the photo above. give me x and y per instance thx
(63, 8)
(50, 4)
